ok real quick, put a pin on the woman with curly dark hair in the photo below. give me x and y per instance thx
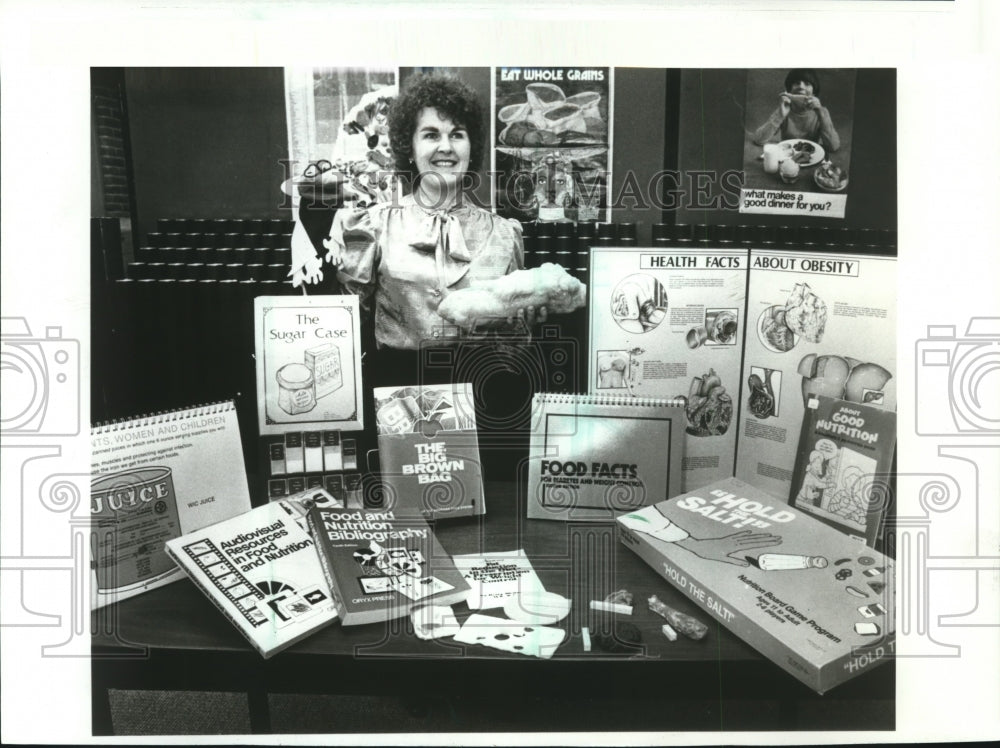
(404, 257)
(453, 100)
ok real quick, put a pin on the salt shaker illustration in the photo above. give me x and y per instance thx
(782, 561)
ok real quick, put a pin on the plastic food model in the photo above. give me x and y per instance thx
(842, 377)
(549, 286)
(709, 407)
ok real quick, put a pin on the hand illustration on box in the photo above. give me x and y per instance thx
(721, 549)
(651, 522)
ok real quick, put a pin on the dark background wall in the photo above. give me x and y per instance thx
(711, 125)
(639, 145)
(207, 142)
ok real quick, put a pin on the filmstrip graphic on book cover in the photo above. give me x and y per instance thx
(262, 572)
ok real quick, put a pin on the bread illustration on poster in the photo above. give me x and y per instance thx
(552, 143)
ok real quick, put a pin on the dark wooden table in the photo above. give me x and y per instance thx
(174, 638)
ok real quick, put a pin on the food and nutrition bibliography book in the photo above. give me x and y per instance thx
(816, 602)
(261, 570)
(819, 323)
(154, 478)
(842, 471)
(382, 564)
(308, 351)
(669, 323)
(593, 456)
(429, 450)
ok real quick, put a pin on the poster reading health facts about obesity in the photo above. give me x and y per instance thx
(552, 138)
(817, 324)
(670, 324)
(797, 142)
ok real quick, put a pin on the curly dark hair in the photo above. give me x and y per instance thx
(802, 75)
(452, 98)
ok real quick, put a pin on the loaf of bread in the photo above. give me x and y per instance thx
(549, 286)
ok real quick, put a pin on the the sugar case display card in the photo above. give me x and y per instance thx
(552, 142)
(815, 601)
(818, 324)
(308, 351)
(797, 138)
(842, 472)
(669, 324)
(593, 456)
(262, 571)
(429, 449)
(154, 478)
(382, 564)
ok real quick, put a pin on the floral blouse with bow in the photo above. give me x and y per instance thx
(409, 259)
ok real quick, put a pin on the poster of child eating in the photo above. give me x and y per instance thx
(797, 142)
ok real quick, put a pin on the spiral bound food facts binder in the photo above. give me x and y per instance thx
(155, 478)
(595, 456)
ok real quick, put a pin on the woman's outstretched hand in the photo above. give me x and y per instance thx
(530, 315)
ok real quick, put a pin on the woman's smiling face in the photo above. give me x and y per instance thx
(440, 145)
